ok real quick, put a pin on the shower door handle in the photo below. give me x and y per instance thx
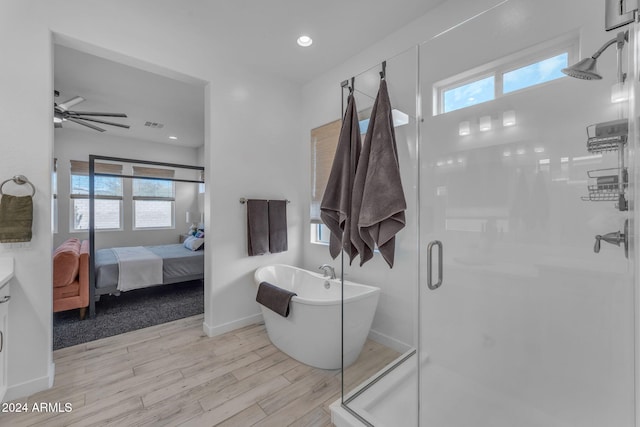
(430, 284)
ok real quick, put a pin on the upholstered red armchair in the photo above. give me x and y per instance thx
(71, 276)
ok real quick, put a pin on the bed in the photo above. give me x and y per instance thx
(179, 264)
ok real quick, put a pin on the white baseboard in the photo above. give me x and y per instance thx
(213, 331)
(31, 387)
(52, 373)
(390, 342)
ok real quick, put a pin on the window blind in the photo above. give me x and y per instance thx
(324, 141)
(142, 171)
(106, 187)
(81, 167)
(153, 189)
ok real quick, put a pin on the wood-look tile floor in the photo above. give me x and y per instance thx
(174, 375)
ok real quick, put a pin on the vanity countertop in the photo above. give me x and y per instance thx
(6, 270)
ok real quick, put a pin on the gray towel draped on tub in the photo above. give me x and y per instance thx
(378, 202)
(335, 209)
(275, 298)
(257, 227)
(16, 218)
(277, 226)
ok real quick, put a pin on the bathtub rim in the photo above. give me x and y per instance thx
(368, 290)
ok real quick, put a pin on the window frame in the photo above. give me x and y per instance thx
(567, 43)
(171, 199)
(316, 234)
(76, 196)
(72, 229)
(440, 104)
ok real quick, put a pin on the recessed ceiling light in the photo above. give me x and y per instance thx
(305, 41)
(173, 137)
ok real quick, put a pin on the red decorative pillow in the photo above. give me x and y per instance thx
(66, 261)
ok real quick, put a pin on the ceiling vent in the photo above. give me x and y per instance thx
(154, 125)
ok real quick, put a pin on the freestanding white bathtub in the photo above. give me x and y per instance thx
(311, 333)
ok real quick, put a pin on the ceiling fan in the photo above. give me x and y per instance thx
(62, 112)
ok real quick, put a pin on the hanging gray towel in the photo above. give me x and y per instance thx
(277, 226)
(378, 202)
(257, 227)
(275, 298)
(335, 209)
(16, 218)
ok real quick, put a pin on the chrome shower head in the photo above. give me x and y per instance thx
(585, 69)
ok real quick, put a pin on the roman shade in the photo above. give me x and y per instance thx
(80, 167)
(324, 140)
(105, 187)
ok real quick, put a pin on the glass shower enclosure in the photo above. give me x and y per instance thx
(517, 289)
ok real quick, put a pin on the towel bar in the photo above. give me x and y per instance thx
(243, 200)
(20, 180)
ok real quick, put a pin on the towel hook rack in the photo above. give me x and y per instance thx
(244, 200)
(20, 180)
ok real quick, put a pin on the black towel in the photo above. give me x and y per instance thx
(257, 227)
(335, 209)
(274, 298)
(277, 226)
(378, 202)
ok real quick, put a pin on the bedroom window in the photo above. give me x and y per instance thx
(153, 198)
(108, 197)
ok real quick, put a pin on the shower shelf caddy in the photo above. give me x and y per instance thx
(608, 184)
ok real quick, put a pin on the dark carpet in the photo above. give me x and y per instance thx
(130, 311)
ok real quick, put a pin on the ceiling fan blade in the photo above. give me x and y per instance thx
(90, 113)
(71, 119)
(70, 103)
(100, 121)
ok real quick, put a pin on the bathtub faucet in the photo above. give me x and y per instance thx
(326, 268)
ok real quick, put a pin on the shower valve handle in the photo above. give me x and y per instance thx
(615, 238)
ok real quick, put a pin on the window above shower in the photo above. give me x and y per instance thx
(522, 70)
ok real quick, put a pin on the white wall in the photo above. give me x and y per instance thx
(249, 116)
(73, 144)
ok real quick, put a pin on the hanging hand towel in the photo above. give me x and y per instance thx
(16, 218)
(378, 202)
(274, 298)
(257, 227)
(335, 209)
(277, 226)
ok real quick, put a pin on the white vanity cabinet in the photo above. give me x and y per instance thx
(6, 273)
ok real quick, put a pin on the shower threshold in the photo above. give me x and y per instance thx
(390, 398)
(387, 398)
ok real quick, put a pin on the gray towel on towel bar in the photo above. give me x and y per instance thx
(275, 298)
(16, 218)
(277, 226)
(378, 202)
(335, 209)
(257, 227)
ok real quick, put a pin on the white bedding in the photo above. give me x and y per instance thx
(138, 268)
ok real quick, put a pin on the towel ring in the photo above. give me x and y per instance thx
(20, 180)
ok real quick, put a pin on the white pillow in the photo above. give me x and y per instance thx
(193, 243)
